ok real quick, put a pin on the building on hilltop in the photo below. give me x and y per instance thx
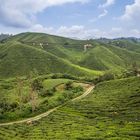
(87, 46)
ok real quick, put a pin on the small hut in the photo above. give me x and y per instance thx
(87, 46)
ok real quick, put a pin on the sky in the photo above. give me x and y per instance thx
(83, 19)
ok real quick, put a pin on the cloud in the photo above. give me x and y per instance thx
(107, 4)
(81, 32)
(84, 33)
(77, 31)
(71, 31)
(105, 12)
(42, 29)
(132, 11)
(18, 13)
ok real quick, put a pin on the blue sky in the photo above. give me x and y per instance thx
(72, 18)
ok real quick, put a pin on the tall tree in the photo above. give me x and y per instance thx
(33, 95)
(19, 92)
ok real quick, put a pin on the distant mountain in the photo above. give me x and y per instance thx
(4, 36)
(128, 39)
(134, 39)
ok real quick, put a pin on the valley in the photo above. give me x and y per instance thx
(58, 88)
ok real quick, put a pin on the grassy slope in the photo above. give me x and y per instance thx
(129, 57)
(101, 58)
(20, 59)
(19, 56)
(127, 44)
(41, 37)
(56, 46)
(110, 57)
(50, 83)
(112, 112)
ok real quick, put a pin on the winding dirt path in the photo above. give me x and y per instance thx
(38, 117)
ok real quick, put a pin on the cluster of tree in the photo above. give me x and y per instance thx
(106, 77)
(133, 71)
(48, 92)
(69, 86)
(6, 106)
(32, 97)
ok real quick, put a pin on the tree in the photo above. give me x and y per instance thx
(33, 99)
(33, 95)
(19, 92)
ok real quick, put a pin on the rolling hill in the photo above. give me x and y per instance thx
(47, 54)
(19, 59)
(61, 67)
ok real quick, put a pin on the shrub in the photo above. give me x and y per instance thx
(77, 89)
(36, 85)
(50, 92)
(68, 94)
(45, 93)
(46, 101)
(105, 77)
(66, 43)
(68, 85)
(61, 99)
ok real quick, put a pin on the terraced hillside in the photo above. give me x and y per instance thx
(47, 54)
(20, 59)
(111, 112)
(129, 44)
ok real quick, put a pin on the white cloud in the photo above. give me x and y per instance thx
(18, 13)
(84, 33)
(132, 12)
(80, 31)
(105, 12)
(77, 31)
(71, 31)
(42, 29)
(107, 4)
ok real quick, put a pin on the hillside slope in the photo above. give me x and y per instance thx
(101, 58)
(45, 53)
(129, 44)
(20, 59)
(111, 112)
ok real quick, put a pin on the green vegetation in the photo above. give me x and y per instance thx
(39, 72)
(22, 98)
(129, 44)
(48, 54)
(111, 112)
(51, 83)
(19, 59)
